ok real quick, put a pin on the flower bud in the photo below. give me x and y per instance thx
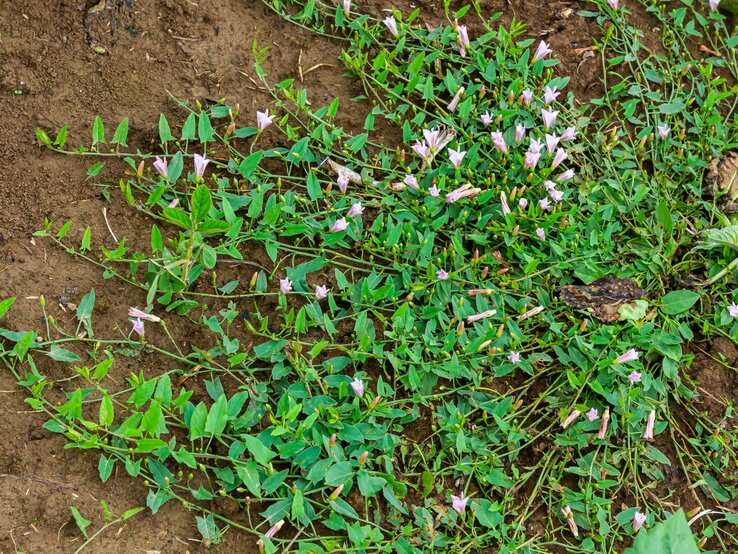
(140, 169)
(332, 441)
(364, 457)
(337, 492)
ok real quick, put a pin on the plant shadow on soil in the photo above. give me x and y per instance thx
(66, 61)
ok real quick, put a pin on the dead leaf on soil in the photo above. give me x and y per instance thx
(604, 297)
(722, 181)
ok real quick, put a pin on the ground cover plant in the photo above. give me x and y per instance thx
(476, 339)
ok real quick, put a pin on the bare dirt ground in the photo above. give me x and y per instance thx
(65, 61)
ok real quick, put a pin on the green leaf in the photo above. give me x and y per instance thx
(121, 133)
(633, 311)
(107, 411)
(667, 537)
(84, 311)
(261, 453)
(81, 522)
(95, 169)
(165, 133)
(42, 137)
(217, 418)
(197, 421)
(717, 238)
(200, 203)
(204, 128)
(248, 165)
(86, 237)
(5, 305)
(178, 217)
(105, 467)
(61, 137)
(313, 186)
(98, 131)
(175, 167)
(188, 129)
(679, 301)
(60, 354)
(369, 485)
(339, 474)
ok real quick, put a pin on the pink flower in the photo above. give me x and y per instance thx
(648, 434)
(541, 233)
(431, 137)
(138, 327)
(346, 7)
(519, 132)
(544, 203)
(569, 420)
(486, 118)
(174, 203)
(592, 414)
(433, 191)
(634, 377)
(503, 203)
(535, 145)
(638, 520)
(499, 141)
(356, 210)
(549, 117)
(714, 4)
(270, 534)
(421, 149)
(663, 131)
(549, 185)
(200, 164)
(464, 191)
(526, 96)
(411, 181)
(570, 133)
(551, 142)
(550, 94)
(264, 120)
(455, 101)
(463, 40)
(357, 385)
(321, 292)
(531, 159)
(442, 275)
(342, 181)
(391, 24)
(566, 511)
(514, 357)
(458, 503)
(560, 156)
(285, 285)
(733, 309)
(160, 164)
(542, 51)
(480, 316)
(629, 356)
(565, 176)
(556, 195)
(456, 156)
(340, 225)
(139, 314)
(613, 3)
(523, 203)
(603, 424)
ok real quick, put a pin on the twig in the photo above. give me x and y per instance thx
(105, 216)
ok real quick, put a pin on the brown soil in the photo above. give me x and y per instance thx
(65, 61)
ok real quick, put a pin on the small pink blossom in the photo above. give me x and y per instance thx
(138, 327)
(464, 191)
(565, 176)
(346, 7)
(340, 225)
(357, 385)
(433, 191)
(566, 511)
(499, 141)
(356, 210)
(431, 137)
(264, 120)
(648, 434)
(480, 316)
(458, 503)
(486, 119)
(549, 117)
(321, 292)
(556, 195)
(544, 203)
(514, 357)
(442, 275)
(411, 181)
(552, 142)
(391, 24)
(541, 233)
(463, 40)
(174, 203)
(200, 164)
(523, 203)
(456, 156)
(613, 4)
(531, 159)
(714, 4)
(664, 131)
(569, 420)
(733, 309)
(421, 149)
(560, 156)
(503, 203)
(526, 96)
(550, 94)
(342, 181)
(455, 101)
(542, 51)
(139, 314)
(519, 132)
(285, 285)
(535, 145)
(269, 534)
(603, 424)
(634, 377)
(161, 166)
(570, 133)
(629, 356)
(638, 520)
(592, 414)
